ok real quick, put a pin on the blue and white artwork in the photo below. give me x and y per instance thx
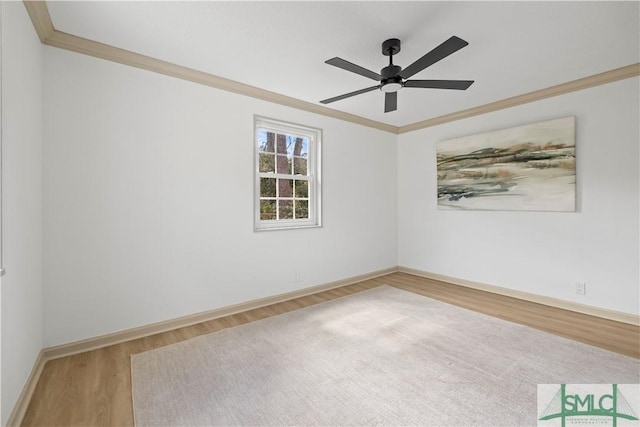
(525, 168)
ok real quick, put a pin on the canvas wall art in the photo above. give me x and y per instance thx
(529, 168)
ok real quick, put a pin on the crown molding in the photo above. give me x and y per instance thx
(48, 35)
(99, 50)
(41, 20)
(616, 74)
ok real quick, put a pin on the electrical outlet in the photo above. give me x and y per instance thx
(581, 288)
(296, 277)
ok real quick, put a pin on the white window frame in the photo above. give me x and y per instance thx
(314, 137)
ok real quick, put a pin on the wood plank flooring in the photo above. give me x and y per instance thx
(94, 388)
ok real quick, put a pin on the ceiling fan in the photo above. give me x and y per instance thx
(392, 78)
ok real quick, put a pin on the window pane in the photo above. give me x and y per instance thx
(266, 141)
(283, 164)
(267, 163)
(302, 147)
(286, 209)
(281, 143)
(267, 209)
(285, 188)
(299, 166)
(302, 188)
(294, 145)
(267, 187)
(302, 209)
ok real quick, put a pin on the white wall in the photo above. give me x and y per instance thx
(149, 201)
(1, 267)
(541, 253)
(22, 120)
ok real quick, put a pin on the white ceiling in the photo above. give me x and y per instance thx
(514, 47)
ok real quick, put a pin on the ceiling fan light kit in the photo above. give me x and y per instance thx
(392, 78)
(391, 87)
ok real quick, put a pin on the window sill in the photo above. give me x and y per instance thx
(287, 227)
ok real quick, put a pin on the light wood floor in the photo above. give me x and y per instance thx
(94, 388)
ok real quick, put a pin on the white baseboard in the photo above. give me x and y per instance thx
(20, 408)
(64, 350)
(50, 353)
(604, 313)
(17, 415)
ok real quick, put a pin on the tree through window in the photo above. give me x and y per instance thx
(287, 175)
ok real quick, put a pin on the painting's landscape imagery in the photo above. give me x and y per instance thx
(529, 167)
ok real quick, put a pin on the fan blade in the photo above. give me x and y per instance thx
(390, 101)
(348, 95)
(439, 84)
(448, 47)
(346, 65)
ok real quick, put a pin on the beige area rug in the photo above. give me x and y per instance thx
(379, 357)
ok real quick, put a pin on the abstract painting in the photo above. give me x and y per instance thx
(528, 168)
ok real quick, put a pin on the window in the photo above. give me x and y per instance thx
(287, 175)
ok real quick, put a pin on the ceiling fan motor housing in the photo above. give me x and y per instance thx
(391, 81)
(390, 71)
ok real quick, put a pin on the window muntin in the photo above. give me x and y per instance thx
(287, 175)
